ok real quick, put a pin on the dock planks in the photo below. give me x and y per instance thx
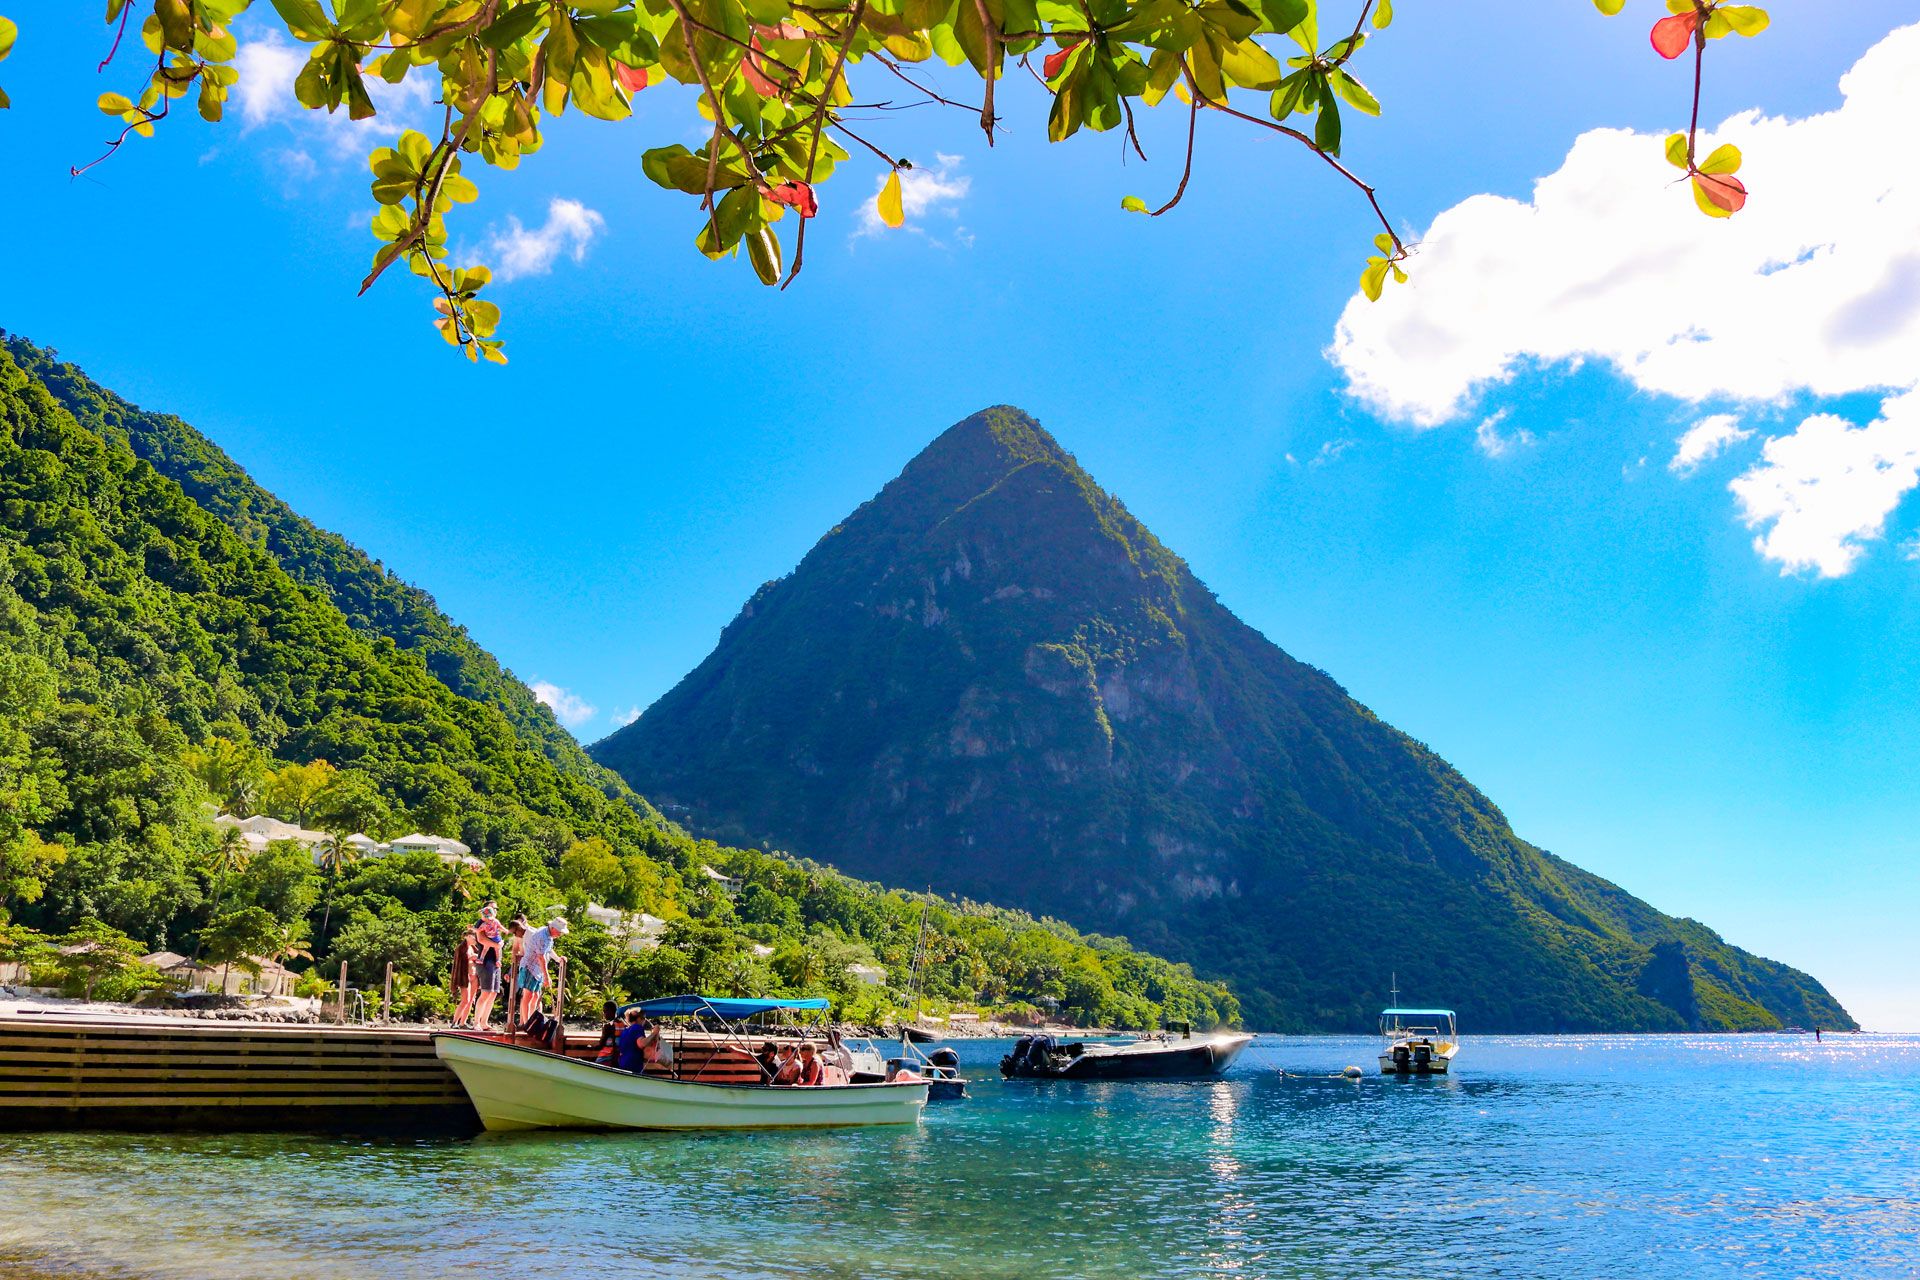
(60, 1072)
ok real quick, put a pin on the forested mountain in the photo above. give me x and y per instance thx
(993, 679)
(173, 639)
(373, 600)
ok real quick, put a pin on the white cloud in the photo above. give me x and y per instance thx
(1830, 485)
(571, 709)
(922, 192)
(1330, 451)
(264, 96)
(1815, 286)
(520, 251)
(1812, 290)
(627, 717)
(267, 69)
(1488, 439)
(1706, 440)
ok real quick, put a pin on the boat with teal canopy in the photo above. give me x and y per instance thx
(703, 1076)
(1419, 1042)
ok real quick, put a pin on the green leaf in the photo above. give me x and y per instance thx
(1610, 7)
(1677, 150)
(458, 189)
(1284, 15)
(390, 223)
(305, 19)
(9, 32)
(513, 24)
(115, 104)
(1746, 19)
(1357, 94)
(1133, 204)
(410, 18)
(731, 219)
(176, 23)
(1326, 130)
(1383, 15)
(763, 249)
(1384, 243)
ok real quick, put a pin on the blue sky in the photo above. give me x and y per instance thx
(1514, 574)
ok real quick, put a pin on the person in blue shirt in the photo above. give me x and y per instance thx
(636, 1045)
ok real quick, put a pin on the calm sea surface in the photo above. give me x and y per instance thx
(1571, 1156)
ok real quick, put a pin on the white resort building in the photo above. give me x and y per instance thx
(260, 831)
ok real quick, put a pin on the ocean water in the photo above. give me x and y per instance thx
(1543, 1157)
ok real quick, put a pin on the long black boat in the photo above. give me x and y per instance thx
(1162, 1057)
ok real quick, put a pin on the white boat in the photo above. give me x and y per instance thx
(518, 1087)
(1418, 1042)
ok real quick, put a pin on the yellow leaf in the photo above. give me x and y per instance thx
(1677, 150)
(1725, 159)
(888, 204)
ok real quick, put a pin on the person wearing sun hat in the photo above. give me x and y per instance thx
(536, 950)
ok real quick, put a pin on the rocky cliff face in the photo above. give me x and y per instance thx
(992, 679)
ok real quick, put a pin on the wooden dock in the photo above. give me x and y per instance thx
(71, 1072)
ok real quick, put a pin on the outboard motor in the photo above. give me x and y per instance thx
(1013, 1062)
(1401, 1058)
(944, 1061)
(1422, 1056)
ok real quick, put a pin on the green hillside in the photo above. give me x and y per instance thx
(173, 638)
(992, 678)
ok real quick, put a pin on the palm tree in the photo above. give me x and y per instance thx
(231, 854)
(466, 878)
(335, 855)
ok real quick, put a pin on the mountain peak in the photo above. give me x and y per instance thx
(993, 679)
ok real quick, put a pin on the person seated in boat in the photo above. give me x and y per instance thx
(788, 1070)
(769, 1059)
(812, 1070)
(637, 1044)
(603, 1052)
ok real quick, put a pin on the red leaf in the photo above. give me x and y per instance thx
(1057, 59)
(781, 31)
(1671, 36)
(1723, 189)
(757, 79)
(632, 79)
(797, 194)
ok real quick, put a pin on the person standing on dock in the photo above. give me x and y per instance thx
(536, 953)
(465, 978)
(488, 936)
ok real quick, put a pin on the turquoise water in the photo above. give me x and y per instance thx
(1573, 1156)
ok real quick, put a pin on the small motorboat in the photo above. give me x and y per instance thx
(1162, 1057)
(722, 1086)
(1418, 1042)
(940, 1069)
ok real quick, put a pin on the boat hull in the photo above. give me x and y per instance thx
(1177, 1060)
(514, 1087)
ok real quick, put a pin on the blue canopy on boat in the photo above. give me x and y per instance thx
(720, 1006)
(1416, 1013)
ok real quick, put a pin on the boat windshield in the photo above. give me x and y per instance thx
(1432, 1023)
